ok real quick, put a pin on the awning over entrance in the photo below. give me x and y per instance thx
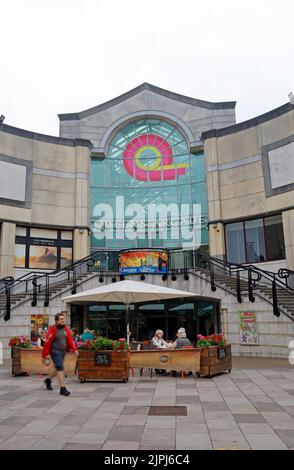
(127, 292)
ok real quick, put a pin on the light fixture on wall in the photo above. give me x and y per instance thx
(101, 279)
(291, 97)
(142, 277)
(174, 277)
(2, 118)
(113, 279)
(164, 277)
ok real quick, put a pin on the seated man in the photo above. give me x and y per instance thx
(181, 340)
(180, 343)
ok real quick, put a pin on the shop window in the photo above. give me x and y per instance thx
(254, 241)
(235, 243)
(20, 256)
(255, 245)
(39, 248)
(274, 237)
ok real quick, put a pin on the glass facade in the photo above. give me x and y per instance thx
(197, 317)
(143, 194)
(253, 241)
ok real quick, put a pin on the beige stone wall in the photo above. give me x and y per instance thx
(57, 175)
(236, 179)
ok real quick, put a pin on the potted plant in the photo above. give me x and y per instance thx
(216, 354)
(103, 359)
(18, 344)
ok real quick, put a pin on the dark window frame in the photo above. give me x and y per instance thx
(266, 260)
(57, 243)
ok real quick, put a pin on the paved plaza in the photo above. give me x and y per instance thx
(251, 408)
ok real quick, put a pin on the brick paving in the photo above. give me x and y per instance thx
(251, 408)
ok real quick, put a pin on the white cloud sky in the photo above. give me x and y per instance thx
(61, 56)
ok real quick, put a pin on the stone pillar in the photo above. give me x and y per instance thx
(216, 230)
(7, 249)
(288, 224)
(81, 244)
(217, 240)
(81, 238)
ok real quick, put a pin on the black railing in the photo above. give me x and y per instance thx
(241, 280)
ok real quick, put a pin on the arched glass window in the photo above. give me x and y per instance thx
(148, 164)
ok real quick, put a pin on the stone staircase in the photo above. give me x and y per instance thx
(57, 289)
(225, 281)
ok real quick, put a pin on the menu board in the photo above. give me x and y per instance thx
(248, 328)
(102, 359)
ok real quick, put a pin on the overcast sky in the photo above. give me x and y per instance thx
(61, 56)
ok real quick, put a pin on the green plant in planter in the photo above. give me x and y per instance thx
(95, 344)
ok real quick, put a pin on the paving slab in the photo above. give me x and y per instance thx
(88, 438)
(193, 441)
(19, 442)
(265, 442)
(82, 446)
(121, 445)
(126, 433)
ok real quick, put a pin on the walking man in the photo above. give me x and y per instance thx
(59, 341)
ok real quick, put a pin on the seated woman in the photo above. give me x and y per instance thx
(42, 340)
(159, 343)
(87, 335)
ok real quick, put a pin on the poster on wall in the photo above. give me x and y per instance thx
(43, 257)
(38, 323)
(248, 328)
(132, 262)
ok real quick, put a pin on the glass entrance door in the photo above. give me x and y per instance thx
(181, 316)
(150, 317)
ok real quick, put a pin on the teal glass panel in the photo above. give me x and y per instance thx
(148, 163)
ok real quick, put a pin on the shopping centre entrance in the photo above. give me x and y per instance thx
(197, 317)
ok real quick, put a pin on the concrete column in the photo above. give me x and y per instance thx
(288, 224)
(213, 189)
(81, 244)
(217, 240)
(7, 249)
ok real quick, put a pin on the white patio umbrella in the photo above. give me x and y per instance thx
(127, 292)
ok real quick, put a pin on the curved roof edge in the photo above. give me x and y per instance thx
(153, 88)
(285, 108)
(45, 138)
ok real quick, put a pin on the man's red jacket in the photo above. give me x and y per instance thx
(70, 345)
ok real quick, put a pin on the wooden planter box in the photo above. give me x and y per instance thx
(103, 365)
(16, 362)
(215, 360)
(29, 361)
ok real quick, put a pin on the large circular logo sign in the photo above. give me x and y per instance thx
(149, 157)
